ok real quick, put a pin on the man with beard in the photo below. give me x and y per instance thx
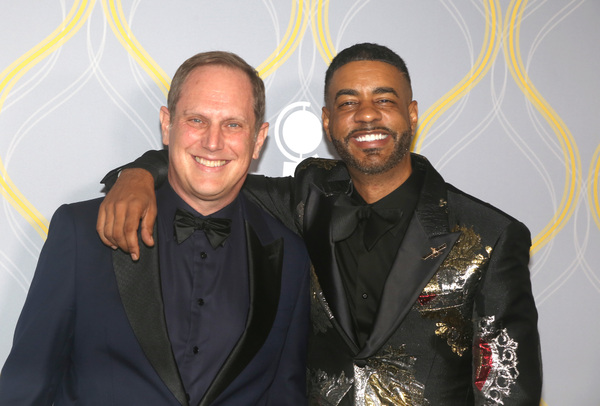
(420, 293)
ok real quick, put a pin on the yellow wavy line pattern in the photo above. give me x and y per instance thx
(480, 68)
(113, 10)
(565, 138)
(292, 38)
(79, 13)
(593, 181)
(320, 30)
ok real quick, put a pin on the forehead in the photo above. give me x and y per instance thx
(367, 76)
(216, 82)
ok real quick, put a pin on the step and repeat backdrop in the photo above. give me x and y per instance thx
(508, 100)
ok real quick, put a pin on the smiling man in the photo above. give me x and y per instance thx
(216, 313)
(420, 293)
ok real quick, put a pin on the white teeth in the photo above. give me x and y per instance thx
(371, 137)
(210, 164)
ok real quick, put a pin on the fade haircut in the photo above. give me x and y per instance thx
(365, 52)
(225, 59)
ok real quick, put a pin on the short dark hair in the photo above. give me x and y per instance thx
(365, 52)
(228, 60)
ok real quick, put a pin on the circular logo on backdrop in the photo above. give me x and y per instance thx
(298, 133)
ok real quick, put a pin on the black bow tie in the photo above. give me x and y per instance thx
(347, 215)
(216, 230)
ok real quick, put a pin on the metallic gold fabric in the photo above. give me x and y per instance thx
(388, 379)
(446, 297)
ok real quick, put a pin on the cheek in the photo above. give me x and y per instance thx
(242, 146)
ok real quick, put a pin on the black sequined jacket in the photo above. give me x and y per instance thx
(457, 323)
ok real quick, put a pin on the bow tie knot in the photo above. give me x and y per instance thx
(347, 215)
(216, 229)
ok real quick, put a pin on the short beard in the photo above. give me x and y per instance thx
(401, 148)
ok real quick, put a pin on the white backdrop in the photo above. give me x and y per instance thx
(508, 95)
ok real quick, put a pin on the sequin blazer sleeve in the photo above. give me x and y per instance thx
(506, 356)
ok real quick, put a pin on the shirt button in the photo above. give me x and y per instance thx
(195, 350)
(200, 302)
(364, 296)
(203, 255)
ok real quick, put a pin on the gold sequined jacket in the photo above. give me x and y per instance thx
(457, 323)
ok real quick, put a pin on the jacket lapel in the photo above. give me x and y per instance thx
(426, 244)
(265, 264)
(413, 268)
(318, 230)
(140, 291)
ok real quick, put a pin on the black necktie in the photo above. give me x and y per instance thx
(216, 230)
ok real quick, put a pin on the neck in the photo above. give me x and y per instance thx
(374, 187)
(204, 206)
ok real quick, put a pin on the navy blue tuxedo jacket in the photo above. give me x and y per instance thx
(93, 331)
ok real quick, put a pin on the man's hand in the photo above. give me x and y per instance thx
(131, 198)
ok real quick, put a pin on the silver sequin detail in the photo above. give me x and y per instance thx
(503, 372)
(327, 390)
(388, 379)
(448, 297)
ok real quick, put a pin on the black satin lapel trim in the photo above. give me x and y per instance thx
(408, 277)
(319, 242)
(140, 291)
(265, 265)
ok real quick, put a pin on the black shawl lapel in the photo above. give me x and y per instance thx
(410, 273)
(265, 264)
(319, 242)
(140, 290)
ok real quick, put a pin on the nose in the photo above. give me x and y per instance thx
(367, 113)
(213, 138)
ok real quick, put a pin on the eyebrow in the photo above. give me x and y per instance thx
(345, 92)
(378, 90)
(384, 90)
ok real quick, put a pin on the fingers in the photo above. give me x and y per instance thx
(104, 226)
(148, 224)
(128, 220)
(130, 200)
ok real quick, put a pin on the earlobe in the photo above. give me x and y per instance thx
(165, 121)
(261, 136)
(325, 121)
(413, 115)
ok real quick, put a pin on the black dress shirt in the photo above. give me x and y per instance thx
(365, 271)
(205, 292)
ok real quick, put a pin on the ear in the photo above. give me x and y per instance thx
(165, 124)
(325, 120)
(261, 136)
(413, 115)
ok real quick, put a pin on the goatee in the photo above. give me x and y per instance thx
(367, 167)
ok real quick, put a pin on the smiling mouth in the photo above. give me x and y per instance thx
(371, 137)
(210, 163)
